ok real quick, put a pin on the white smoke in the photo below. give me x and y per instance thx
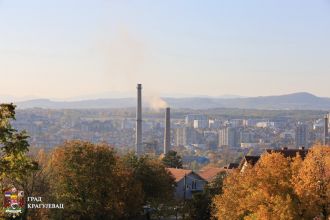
(155, 102)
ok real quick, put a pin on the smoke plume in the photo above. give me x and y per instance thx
(155, 102)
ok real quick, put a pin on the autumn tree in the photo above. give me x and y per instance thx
(15, 165)
(172, 160)
(279, 188)
(312, 183)
(92, 183)
(262, 192)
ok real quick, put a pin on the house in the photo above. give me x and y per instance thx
(248, 161)
(187, 183)
(231, 166)
(209, 173)
(288, 153)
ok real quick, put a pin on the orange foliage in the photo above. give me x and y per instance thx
(278, 188)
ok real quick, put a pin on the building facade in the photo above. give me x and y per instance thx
(301, 135)
(229, 136)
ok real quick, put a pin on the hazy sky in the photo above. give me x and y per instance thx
(67, 48)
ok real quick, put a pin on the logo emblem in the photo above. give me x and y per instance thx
(13, 202)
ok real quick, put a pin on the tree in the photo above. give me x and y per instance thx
(312, 183)
(172, 160)
(15, 165)
(157, 183)
(37, 185)
(92, 183)
(279, 188)
(201, 206)
(262, 192)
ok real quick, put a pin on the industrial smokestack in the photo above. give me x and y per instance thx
(326, 129)
(167, 134)
(138, 143)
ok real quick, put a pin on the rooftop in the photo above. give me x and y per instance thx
(179, 174)
(211, 172)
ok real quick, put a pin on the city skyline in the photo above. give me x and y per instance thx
(66, 50)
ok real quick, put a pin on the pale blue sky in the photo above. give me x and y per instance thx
(79, 48)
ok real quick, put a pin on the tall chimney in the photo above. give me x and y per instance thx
(138, 142)
(326, 129)
(167, 134)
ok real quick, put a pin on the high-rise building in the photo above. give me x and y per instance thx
(214, 123)
(229, 136)
(201, 124)
(237, 122)
(301, 137)
(186, 136)
(202, 120)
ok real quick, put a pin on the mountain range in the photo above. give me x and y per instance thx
(295, 101)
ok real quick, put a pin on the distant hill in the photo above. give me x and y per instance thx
(295, 101)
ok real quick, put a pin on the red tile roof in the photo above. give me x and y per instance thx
(209, 173)
(179, 174)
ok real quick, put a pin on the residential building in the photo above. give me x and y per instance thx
(201, 124)
(186, 136)
(301, 135)
(229, 136)
(288, 153)
(187, 183)
(189, 119)
(210, 173)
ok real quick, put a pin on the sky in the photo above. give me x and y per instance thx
(78, 49)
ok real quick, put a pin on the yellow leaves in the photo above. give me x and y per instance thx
(279, 188)
(312, 183)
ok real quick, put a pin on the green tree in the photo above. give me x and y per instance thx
(157, 183)
(172, 160)
(15, 165)
(92, 183)
(201, 206)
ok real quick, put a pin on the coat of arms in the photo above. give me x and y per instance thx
(13, 202)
